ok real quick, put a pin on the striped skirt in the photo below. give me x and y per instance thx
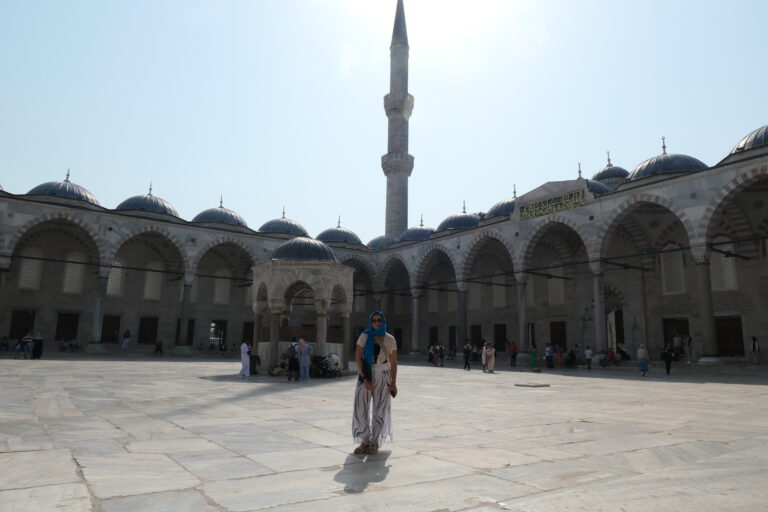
(372, 415)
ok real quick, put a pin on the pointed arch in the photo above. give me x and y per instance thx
(725, 195)
(151, 229)
(195, 258)
(58, 216)
(423, 265)
(540, 229)
(476, 244)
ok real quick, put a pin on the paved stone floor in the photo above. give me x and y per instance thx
(97, 433)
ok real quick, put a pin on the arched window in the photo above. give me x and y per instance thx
(555, 287)
(221, 286)
(722, 268)
(672, 272)
(73, 273)
(30, 269)
(116, 279)
(153, 281)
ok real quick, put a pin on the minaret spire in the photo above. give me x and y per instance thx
(397, 164)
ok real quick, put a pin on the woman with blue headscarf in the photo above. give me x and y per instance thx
(376, 358)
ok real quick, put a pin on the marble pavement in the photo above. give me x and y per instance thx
(83, 433)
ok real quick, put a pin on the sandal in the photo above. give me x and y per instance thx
(363, 448)
(372, 449)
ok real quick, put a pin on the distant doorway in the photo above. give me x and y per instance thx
(476, 334)
(674, 327)
(730, 339)
(452, 337)
(22, 322)
(557, 334)
(110, 329)
(500, 337)
(217, 334)
(66, 326)
(148, 330)
(433, 335)
(190, 331)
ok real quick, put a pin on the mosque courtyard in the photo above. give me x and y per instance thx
(100, 433)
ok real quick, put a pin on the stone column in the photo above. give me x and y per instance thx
(98, 310)
(186, 298)
(346, 335)
(601, 337)
(376, 302)
(257, 321)
(274, 335)
(706, 308)
(415, 321)
(461, 327)
(321, 307)
(522, 316)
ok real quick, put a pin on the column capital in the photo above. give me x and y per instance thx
(521, 277)
(701, 253)
(188, 278)
(321, 306)
(462, 286)
(596, 267)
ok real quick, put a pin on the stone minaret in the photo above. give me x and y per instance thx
(398, 104)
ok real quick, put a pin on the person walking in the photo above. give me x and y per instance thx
(483, 356)
(467, 355)
(126, 339)
(293, 361)
(755, 352)
(159, 347)
(588, 357)
(245, 360)
(376, 358)
(512, 354)
(304, 354)
(642, 359)
(667, 356)
(490, 357)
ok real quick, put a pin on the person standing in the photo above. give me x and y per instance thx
(549, 356)
(376, 358)
(441, 354)
(159, 347)
(467, 355)
(245, 360)
(588, 358)
(304, 354)
(483, 356)
(126, 339)
(293, 361)
(533, 360)
(755, 352)
(490, 357)
(26, 345)
(512, 354)
(559, 356)
(667, 356)
(642, 360)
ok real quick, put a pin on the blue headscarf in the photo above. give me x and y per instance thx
(372, 333)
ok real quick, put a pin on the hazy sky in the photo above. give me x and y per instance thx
(278, 103)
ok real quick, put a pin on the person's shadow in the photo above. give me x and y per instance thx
(360, 470)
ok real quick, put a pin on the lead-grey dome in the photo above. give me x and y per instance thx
(65, 189)
(754, 140)
(666, 164)
(610, 171)
(339, 235)
(597, 188)
(303, 248)
(220, 215)
(416, 234)
(505, 207)
(283, 225)
(148, 203)
(458, 221)
(381, 242)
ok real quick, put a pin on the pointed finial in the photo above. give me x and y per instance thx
(579, 170)
(663, 145)
(67, 178)
(283, 211)
(421, 224)
(609, 159)
(514, 191)
(150, 189)
(221, 201)
(399, 32)
(463, 207)
(338, 225)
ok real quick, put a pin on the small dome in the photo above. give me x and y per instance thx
(381, 242)
(461, 220)
(666, 164)
(416, 234)
(65, 189)
(610, 171)
(303, 248)
(220, 215)
(283, 225)
(754, 140)
(597, 188)
(148, 203)
(339, 235)
(505, 207)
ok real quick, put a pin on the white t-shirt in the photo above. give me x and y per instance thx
(388, 346)
(588, 354)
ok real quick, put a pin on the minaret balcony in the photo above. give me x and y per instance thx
(398, 105)
(397, 163)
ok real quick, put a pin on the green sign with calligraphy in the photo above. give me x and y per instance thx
(554, 205)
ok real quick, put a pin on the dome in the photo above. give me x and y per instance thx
(754, 140)
(416, 234)
(148, 203)
(220, 215)
(381, 242)
(303, 248)
(666, 164)
(283, 225)
(597, 188)
(505, 207)
(65, 189)
(461, 220)
(339, 235)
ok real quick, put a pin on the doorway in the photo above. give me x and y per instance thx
(730, 339)
(148, 330)
(500, 337)
(217, 334)
(110, 329)
(22, 322)
(475, 334)
(399, 337)
(66, 326)
(557, 334)
(673, 327)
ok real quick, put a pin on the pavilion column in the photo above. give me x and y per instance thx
(706, 309)
(461, 328)
(274, 334)
(415, 320)
(98, 310)
(257, 322)
(346, 335)
(522, 311)
(601, 336)
(186, 299)
(321, 307)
